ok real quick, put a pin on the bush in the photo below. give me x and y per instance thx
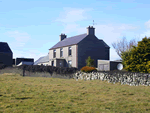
(2, 66)
(88, 69)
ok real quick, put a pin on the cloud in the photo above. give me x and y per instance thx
(127, 27)
(32, 53)
(20, 39)
(147, 24)
(71, 15)
(146, 33)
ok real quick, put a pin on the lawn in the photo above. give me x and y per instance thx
(41, 95)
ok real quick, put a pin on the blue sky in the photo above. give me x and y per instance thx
(31, 27)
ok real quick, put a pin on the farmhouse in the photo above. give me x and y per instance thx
(73, 51)
(6, 55)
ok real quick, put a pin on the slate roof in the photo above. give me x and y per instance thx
(4, 47)
(70, 41)
(42, 60)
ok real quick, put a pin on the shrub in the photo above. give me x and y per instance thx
(89, 62)
(2, 66)
(88, 69)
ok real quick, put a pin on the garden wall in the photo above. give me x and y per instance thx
(15, 70)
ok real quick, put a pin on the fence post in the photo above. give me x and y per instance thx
(23, 71)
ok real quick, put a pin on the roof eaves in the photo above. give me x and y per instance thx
(63, 46)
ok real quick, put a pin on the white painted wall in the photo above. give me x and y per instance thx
(73, 57)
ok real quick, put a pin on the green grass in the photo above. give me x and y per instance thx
(41, 95)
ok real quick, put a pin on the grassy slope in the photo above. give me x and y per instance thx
(36, 94)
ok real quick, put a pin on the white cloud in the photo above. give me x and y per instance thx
(71, 15)
(70, 28)
(146, 33)
(127, 27)
(147, 24)
(32, 53)
(20, 39)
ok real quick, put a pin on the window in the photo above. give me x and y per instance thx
(60, 63)
(61, 52)
(54, 53)
(69, 51)
(69, 63)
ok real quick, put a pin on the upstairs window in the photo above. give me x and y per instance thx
(70, 51)
(61, 52)
(54, 53)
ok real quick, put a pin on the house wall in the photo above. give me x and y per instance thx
(103, 63)
(6, 58)
(93, 47)
(44, 63)
(65, 55)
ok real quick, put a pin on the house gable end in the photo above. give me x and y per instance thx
(4, 48)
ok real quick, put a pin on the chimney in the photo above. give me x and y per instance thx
(90, 30)
(62, 36)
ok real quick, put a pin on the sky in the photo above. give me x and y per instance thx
(32, 27)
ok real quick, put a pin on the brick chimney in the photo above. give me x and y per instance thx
(62, 36)
(90, 30)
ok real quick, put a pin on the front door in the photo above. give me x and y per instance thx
(52, 63)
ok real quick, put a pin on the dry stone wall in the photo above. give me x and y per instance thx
(130, 78)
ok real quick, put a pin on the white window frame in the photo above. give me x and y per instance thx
(61, 52)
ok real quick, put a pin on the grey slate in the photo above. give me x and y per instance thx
(42, 60)
(4, 47)
(69, 41)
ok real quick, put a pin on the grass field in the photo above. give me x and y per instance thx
(47, 95)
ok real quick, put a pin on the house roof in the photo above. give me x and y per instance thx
(70, 41)
(42, 60)
(4, 47)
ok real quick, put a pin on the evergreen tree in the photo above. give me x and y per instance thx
(139, 58)
(125, 56)
(90, 62)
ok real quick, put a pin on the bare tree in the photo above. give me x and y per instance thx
(123, 45)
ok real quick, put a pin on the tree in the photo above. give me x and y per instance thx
(125, 56)
(90, 62)
(123, 46)
(139, 59)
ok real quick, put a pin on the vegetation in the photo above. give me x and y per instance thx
(88, 69)
(125, 56)
(124, 46)
(50, 69)
(2, 66)
(139, 58)
(47, 95)
(89, 62)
